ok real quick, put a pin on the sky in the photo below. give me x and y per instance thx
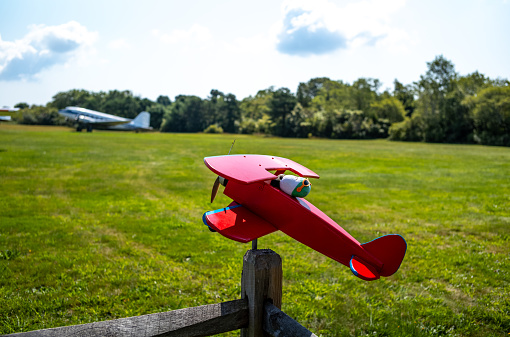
(175, 48)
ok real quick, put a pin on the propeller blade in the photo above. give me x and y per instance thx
(215, 188)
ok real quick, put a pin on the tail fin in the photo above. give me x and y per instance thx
(389, 249)
(142, 120)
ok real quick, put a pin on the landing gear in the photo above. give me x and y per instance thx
(89, 128)
(78, 129)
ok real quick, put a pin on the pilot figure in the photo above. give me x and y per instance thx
(292, 185)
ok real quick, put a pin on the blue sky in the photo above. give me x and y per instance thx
(173, 47)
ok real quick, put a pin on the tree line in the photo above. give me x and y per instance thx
(442, 106)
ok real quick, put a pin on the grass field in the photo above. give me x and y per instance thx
(108, 225)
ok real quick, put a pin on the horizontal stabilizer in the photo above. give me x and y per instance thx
(362, 269)
(237, 223)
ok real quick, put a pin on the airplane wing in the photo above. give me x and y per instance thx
(250, 168)
(237, 223)
(95, 121)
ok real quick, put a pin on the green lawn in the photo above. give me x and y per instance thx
(108, 225)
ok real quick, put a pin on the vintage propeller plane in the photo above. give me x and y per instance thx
(267, 200)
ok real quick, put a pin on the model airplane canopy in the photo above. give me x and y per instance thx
(259, 208)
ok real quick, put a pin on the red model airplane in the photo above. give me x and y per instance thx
(260, 208)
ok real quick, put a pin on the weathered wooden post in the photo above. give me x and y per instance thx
(261, 282)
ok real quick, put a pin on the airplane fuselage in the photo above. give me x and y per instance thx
(300, 220)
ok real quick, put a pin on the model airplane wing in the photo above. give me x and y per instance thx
(248, 169)
(237, 223)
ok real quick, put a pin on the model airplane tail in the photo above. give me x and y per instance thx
(142, 120)
(389, 249)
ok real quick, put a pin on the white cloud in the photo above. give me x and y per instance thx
(198, 41)
(197, 34)
(119, 44)
(43, 47)
(321, 26)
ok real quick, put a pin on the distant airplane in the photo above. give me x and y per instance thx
(90, 119)
(7, 109)
(10, 111)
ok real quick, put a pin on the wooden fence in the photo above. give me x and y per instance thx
(257, 313)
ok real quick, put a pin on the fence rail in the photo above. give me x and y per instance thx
(257, 313)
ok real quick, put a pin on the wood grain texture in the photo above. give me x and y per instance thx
(204, 320)
(261, 281)
(279, 324)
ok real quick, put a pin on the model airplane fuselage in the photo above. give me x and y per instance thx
(90, 119)
(260, 208)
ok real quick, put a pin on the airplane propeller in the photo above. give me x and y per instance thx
(215, 188)
(220, 180)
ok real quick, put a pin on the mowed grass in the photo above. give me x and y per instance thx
(108, 225)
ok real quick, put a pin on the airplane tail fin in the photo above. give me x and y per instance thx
(142, 120)
(389, 249)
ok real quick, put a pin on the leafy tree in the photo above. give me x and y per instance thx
(406, 130)
(405, 94)
(157, 112)
(39, 115)
(443, 109)
(333, 95)
(306, 92)
(223, 110)
(299, 122)
(229, 112)
(350, 124)
(22, 105)
(256, 107)
(122, 103)
(72, 97)
(213, 128)
(281, 105)
(390, 109)
(247, 126)
(364, 93)
(163, 100)
(185, 115)
(441, 116)
(472, 83)
(492, 116)
(115, 102)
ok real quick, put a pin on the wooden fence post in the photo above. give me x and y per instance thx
(278, 323)
(257, 313)
(261, 281)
